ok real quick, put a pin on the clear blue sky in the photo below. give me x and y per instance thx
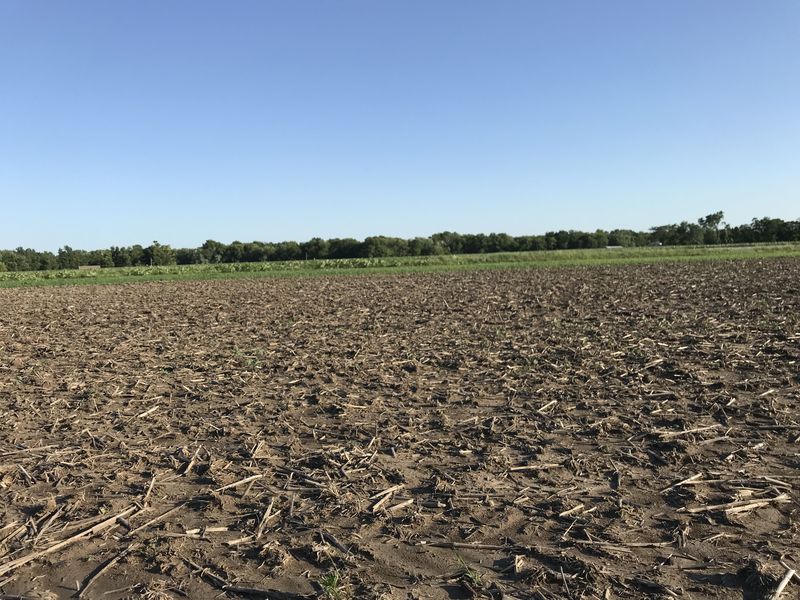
(128, 121)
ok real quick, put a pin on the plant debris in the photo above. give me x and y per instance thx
(606, 432)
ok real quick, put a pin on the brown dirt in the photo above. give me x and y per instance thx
(533, 425)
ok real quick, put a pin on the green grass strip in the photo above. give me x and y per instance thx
(408, 264)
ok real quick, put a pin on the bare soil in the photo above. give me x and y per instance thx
(620, 432)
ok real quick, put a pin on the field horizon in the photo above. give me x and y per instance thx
(402, 264)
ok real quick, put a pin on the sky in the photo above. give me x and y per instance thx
(137, 120)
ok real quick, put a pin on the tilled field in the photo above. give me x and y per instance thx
(623, 432)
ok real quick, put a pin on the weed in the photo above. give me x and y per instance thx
(331, 584)
(470, 576)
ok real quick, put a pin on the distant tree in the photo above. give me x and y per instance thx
(473, 243)
(600, 239)
(9, 260)
(664, 234)
(709, 229)
(212, 251)
(581, 240)
(270, 250)
(500, 242)
(382, 246)
(158, 255)
(769, 230)
(622, 237)
(233, 252)
(16, 260)
(47, 261)
(287, 251)
(689, 234)
(68, 258)
(791, 231)
(562, 239)
(524, 243)
(451, 243)
(121, 257)
(710, 225)
(315, 248)
(187, 256)
(726, 235)
(711, 221)
(538, 243)
(102, 258)
(254, 252)
(137, 255)
(424, 246)
(344, 248)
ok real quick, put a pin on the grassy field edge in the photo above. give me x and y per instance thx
(382, 266)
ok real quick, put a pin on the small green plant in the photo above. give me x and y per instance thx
(331, 584)
(470, 576)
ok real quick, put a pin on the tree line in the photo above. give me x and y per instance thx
(707, 230)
